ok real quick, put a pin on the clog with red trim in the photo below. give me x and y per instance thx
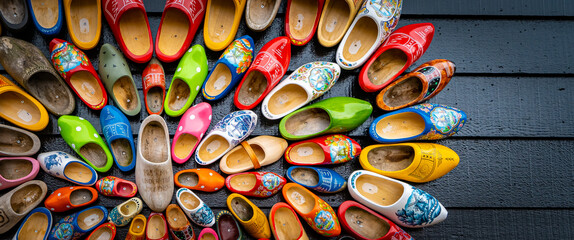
(301, 20)
(111, 186)
(255, 184)
(330, 149)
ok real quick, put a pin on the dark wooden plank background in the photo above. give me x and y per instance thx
(515, 80)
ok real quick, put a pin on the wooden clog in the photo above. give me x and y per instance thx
(156, 227)
(336, 18)
(227, 226)
(365, 224)
(190, 130)
(118, 133)
(208, 234)
(197, 211)
(14, 14)
(301, 20)
(106, 231)
(68, 198)
(130, 26)
(330, 149)
(15, 204)
(306, 84)
(84, 21)
(249, 216)
(17, 142)
(255, 184)
(48, 16)
(370, 28)
(21, 109)
(285, 224)
(17, 170)
(77, 70)
(36, 226)
(75, 226)
(154, 174)
(179, 23)
(65, 166)
(253, 154)
(222, 19)
(123, 214)
(201, 179)
(322, 180)
(179, 226)
(117, 78)
(111, 186)
(137, 228)
(402, 203)
(421, 84)
(267, 69)
(425, 121)
(32, 70)
(259, 14)
(153, 82)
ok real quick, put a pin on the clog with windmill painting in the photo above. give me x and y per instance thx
(118, 133)
(36, 226)
(192, 126)
(68, 198)
(17, 170)
(17, 142)
(65, 166)
(222, 19)
(336, 18)
(18, 202)
(285, 224)
(84, 21)
(255, 184)
(329, 149)
(153, 82)
(253, 154)
(21, 109)
(365, 224)
(259, 14)
(48, 16)
(249, 216)
(301, 20)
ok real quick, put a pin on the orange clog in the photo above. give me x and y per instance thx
(67, 198)
(201, 179)
(106, 231)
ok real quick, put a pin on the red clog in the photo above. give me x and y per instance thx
(301, 20)
(403, 47)
(156, 227)
(153, 82)
(116, 187)
(330, 149)
(68, 198)
(267, 69)
(255, 184)
(106, 231)
(179, 16)
(365, 224)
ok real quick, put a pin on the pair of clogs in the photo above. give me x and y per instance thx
(77, 225)
(17, 170)
(255, 184)
(18, 202)
(201, 179)
(65, 166)
(17, 142)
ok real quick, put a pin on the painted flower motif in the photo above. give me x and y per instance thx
(421, 209)
(444, 119)
(64, 231)
(341, 148)
(270, 181)
(239, 55)
(400, 234)
(66, 57)
(107, 185)
(54, 160)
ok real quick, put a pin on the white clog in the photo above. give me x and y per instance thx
(65, 166)
(197, 211)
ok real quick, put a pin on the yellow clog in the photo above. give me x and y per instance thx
(84, 21)
(249, 216)
(222, 19)
(137, 228)
(21, 109)
(335, 20)
(413, 162)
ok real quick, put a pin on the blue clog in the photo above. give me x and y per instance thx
(75, 226)
(229, 69)
(65, 166)
(118, 133)
(426, 121)
(47, 16)
(37, 222)
(319, 179)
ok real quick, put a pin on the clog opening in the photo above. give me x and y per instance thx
(300, 199)
(176, 218)
(87, 87)
(95, 154)
(227, 227)
(305, 176)
(155, 148)
(207, 236)
(84, 19)
(189, 201)
(261, 11)
(16, 107)
(302, 15)
(178, 94)
(242, 209)
(184, 145)
(14, 169)
(391, 158)
(403, 93)
(35, 227)
(134, 31)
(400, 125)
(286, 224)
(137, 226)
(80, 196)
(26, 198)
(77, 172)
(46, 13)
(123, 152)
(188, 179)
(252, 88)
(307, 122)
(239, 159)
(243, 182)
(287, 99)
(386, 66)
(14, 142)
(174, 31)
(103, 233)
(335, 18)
(220, 20)
(90, 218)
(379, 190)
(213, 147)
(156, 228)
(13, 11)
(307, 153)
(366, 224)
(362, 37)
(50, 90)
(154, 99)
(125, 189)
(129, 208)
(218, 81)
(126, 94)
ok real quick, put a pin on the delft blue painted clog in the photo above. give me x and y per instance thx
(75, 226)
(48, 16)
(36, 225)
(65, 166)
(118, 133)
(319, 179)
(229, 69)
(426, 121)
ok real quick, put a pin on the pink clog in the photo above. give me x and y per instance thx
(17, 170)
(208, 233)
(190, 130)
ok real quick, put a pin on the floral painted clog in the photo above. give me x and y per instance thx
(179, 16)
(75, 226)
(421, 84)
(322, 180)
(118, 133)
(372, 25)
(336, 18)
(253, 154)
(200, 179)
(306, 84)
(402, 203)
(106, 231)
(267, 69)
(14, 15)
(130, 26)
(255, 184)
(123, 214)
(191, 128)
(413, 162)
(222, 19)
(301, 20)
(84, 22)
(285, 224)
(153, 82)
(18, 202)
(208, 234)
(179, 226)
(229, 69)
(426, 121)
(18, 142)
(111, 186)
(249, 216)
(197, 211)
(225, 135)
(65, 166)
(332, 115)
(36, 226)
(259, 14)
(137, 228)
(186, 82)
(330, 149)
(117, 77)
(404, 47)
(47, 16)
(227, 227)
(78, 72)
(17, 170)
(81, 136)
(68, 198)
(21, 109)
(316, 212)
(156, 227)
(365, 224)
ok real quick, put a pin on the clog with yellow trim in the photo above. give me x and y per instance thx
(200, 179)
(179, 226)
(106, 231)
(137, 228)
(336, 18)
(68, 198)
(253, 154)
(285, 224)
(330, 149)
(255, 184)
(84, 21)
(21, 109)
(122, 214)
(249, 216)
(111, 186)
(222, 19)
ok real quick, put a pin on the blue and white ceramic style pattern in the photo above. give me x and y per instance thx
(329, 180)
(133, 206)
(55, 163)
(115, 126)
(202, 215)
(57, 27)
(41, 210)
(440, 122)
(67, 228)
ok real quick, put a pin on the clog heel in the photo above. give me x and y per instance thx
(259, 14)
(84, 21)
(222, 19)
(179, 226)
(21, 109)
(17, 142)
(48, 16)
(15, 204)
(65, 166)
(301, 19)
(153, 82)
(36, 226)
(365, 224)
(17, 170)
(250, 216)
(336, 18)
(156, 227)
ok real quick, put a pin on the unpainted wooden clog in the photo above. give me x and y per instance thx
(197, 211)
(48, 16)
(21, 109)
(208, 234)
(14, 15)
(249, 216)
(200, 179)
(330, 149)
(18, 202)
(365, 224)
(222, 19)
(322, 180)
(156, 227)
(336, 18)
(17, 170)
(65, 166)
(68, 198)
(17, 142)
(106, 231)
(137, 228)
(285, 224)
(179, 226)
(255, 184)
(118, 133)
(192, 126)
(253, 154)
(36, 226)
(227, 227)
(84, 21)
(123, 214)
(153, 82)
(111, 186)
(259, 14)
(301, 20)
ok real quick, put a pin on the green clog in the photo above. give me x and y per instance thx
(81, 136)
(333, 115)
(187, 81)
(117, 77)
